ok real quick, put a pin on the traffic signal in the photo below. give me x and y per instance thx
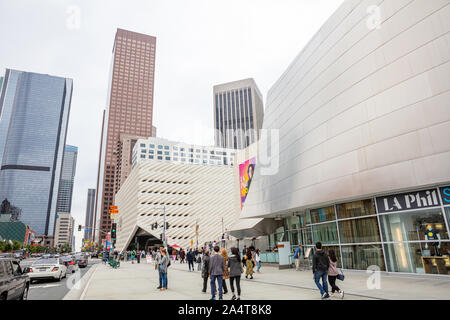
(167, 225)
(79, 227)
(113, 231)
(160, 237)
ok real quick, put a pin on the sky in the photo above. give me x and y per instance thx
(200, 43)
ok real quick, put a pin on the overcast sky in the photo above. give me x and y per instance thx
(200, 43)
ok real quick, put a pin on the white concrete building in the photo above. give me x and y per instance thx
(194, 183)
(64, 229)
(363, 114)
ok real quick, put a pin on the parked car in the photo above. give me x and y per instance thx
(82, 260)
(14, 283)
(71, 263)
(47, 268)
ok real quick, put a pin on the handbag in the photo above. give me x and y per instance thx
(341, 276)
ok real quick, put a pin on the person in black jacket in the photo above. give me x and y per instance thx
(205, 270)
(321, 263)
(190, 259)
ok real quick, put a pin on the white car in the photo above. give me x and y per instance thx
(48, 268)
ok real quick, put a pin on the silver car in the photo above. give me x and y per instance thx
(71, 263)
(47, 268)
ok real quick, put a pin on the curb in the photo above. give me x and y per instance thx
(78, 294)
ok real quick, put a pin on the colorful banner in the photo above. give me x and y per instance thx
(246, 172)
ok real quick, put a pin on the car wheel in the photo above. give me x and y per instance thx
(60, 276)
(25, 293)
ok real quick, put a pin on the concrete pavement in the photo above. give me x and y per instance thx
(139, 282)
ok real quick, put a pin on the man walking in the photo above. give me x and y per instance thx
(321, 263)
(190, 259)
(216, 268)
(297, 256)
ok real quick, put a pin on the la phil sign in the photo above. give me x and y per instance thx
(408, 201)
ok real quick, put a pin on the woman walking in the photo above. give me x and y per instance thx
(249, 263)
(205, 270)
(333, 273)
(162, 269)
(226, 273)
(236, 269)
(258, 260)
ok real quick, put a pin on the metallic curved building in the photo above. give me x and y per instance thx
(363, 115)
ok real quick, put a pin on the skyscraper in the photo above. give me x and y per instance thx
(34, 112)
(89, 220)
(64, 203)
(238, 114)
(130, 111)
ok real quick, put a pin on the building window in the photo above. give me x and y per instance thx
(322, 215)
(424, 225)
(325, 233)
(356, 209)
(142, 156)
(160, 158)
(359, 230)
(150, 157)
(361, 257)
(152, 146)
(166, 147)
(167, 158)
(160, 147)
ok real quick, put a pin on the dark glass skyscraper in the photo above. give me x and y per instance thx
(34, 113)
(238, 114)
(67, 178)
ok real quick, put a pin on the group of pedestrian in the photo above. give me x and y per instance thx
(325, 266)
(219, 267)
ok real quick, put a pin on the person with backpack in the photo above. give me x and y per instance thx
(205, 270)
(321, 263)
(236, 269)
(333, 274)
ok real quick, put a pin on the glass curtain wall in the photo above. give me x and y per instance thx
(415, 241)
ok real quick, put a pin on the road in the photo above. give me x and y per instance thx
(51, 289)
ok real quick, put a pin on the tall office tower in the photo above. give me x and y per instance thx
(64, 203)
(238, 114)
(129, 110)
(89, 220)
(34, 113)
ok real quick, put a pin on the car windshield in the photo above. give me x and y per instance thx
(46, 261)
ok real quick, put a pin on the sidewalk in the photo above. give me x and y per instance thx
(139, 282)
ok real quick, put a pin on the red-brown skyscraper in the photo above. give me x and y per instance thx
(129, 111)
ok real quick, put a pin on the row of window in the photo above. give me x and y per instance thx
(192, 150)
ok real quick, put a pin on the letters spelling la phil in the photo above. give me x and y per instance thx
(426, 201)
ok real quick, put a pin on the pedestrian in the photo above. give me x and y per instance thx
(182, 255)
(297, 257)
(162, 270)
(236, 269)
(190, 259)
(174, 255)
(333, 273)
(138, 256)
(244, 255)
(226, 273)
(216, 273)
(321, 263)
(258, 260)
(199, 260)
(205, 270)
(133, 255)
(249, 264)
